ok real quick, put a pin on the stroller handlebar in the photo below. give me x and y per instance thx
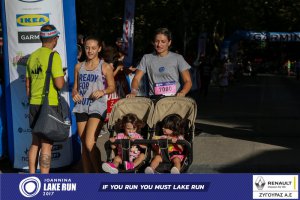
(153, 141)
(164, 142)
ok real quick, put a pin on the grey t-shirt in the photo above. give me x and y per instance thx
(163, 71)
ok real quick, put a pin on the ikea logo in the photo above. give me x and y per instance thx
(32, 19)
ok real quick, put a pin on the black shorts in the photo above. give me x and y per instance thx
(34, 112)
(83, 117)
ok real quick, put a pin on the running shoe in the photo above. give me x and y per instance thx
(110, 168)
(149, 170)
(175, 170)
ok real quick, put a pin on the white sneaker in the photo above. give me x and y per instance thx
(109, 168)
(149, 170)
(175, 170)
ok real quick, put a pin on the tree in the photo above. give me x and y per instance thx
(186, 19)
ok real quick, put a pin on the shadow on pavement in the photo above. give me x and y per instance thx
(278, 161)
(244, 133)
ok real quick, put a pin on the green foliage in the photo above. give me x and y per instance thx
(186, 19)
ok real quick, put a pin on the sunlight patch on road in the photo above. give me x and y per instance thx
(244, 127)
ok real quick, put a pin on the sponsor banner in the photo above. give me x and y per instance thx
(260, 36)
(22, 20)
(129, 186)
(270, 36)
(284, 37)
(128, 31)
(275, 187)
(112, 99)
(125, 186)
(28, 20)
(29, 37)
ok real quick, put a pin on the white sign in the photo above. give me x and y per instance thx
(24, 20)
(275, 186)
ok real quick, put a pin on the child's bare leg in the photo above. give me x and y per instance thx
(139, 159)
(117, 161)
(177, 163)
(155, 162)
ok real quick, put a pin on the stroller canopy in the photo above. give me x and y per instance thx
(183, 106)
(141, 106)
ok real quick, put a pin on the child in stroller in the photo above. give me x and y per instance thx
(173, 129)
(130, 124)
(179, 107)
(152, 112)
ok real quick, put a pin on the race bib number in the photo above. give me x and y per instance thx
(165, 88)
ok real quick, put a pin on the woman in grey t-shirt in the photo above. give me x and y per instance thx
(163, 68)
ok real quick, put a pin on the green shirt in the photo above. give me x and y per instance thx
(37, 65)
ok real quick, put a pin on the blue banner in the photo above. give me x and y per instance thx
(267, 36)
(128, 31)
(284, 36)
(159, 186)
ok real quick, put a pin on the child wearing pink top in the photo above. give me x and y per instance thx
(130, 124)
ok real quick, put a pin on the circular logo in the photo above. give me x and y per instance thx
(161, 69)
(25, 102)
(29, 187)
(22, 77)
(20, 130)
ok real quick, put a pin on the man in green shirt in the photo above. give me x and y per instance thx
(37, 65)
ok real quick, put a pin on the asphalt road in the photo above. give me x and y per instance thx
(254, 128)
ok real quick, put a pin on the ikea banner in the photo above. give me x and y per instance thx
(22, 20)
